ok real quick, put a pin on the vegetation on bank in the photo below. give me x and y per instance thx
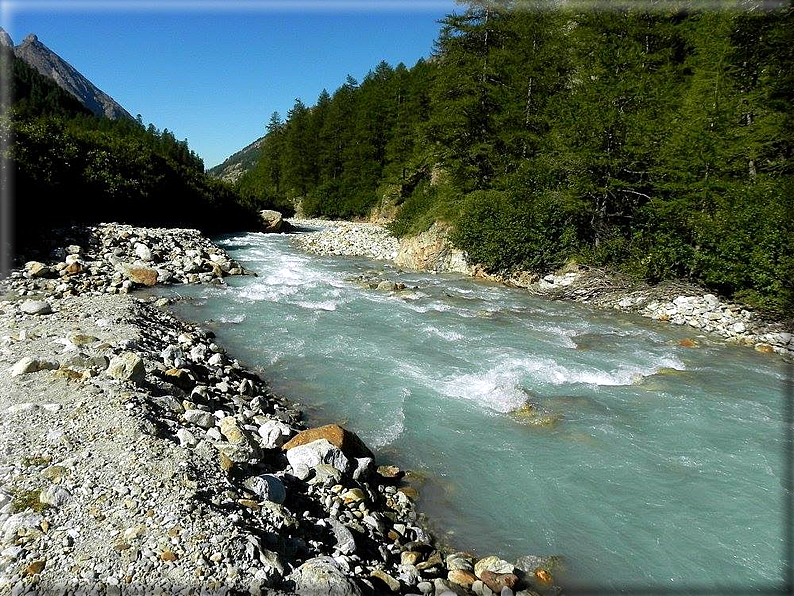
(657, 142)
(70, 166)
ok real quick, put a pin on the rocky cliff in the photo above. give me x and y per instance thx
(51, 65)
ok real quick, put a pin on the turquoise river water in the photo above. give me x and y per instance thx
(664, 467)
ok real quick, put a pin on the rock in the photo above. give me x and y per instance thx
(36, 269)
(345, 542)
(186, 438)
(267, 487)
(343, 439)
(74, 268)
(35, 307)
(273, 433)
(145, 276)
(304, 457)
(272, 221)
(54, 495)
(199, 418)
(127, 366)
(322, 576)
(498, 581)
(410, 557)
(387, 579)
(442, 585)
(232, 431)
(35, 567)
(354, 495)
(19, 521)
(492, 564)
(326, 475)
(390, 472)
(462, 577)
(143, 252)
(180, 377)
(28, 364)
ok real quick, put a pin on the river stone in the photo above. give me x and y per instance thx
(14, 523)
(304, 457)
(37, 269)
(232, 431)
(326, 475)
(35, 307)
(493, 564)
(127, 366)
(143, 252)
(339, 437)
(267, 487)
(272, 221)
(28, 364)
(186, 438)
(387, 579)
(145, 276)
(199, 418)
(461, 577)
(345, 542)
(443, 586)
(273, 433)
(322, 576)
(498, 581)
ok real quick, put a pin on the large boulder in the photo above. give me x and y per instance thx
(322, 576)
(339, 437)
(272, 221)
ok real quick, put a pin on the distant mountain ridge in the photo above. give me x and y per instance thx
(68, 78)
(238, 163)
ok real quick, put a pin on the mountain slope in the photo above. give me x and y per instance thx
(49, 64)
(238, 163)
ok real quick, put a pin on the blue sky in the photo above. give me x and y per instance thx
(214, 72)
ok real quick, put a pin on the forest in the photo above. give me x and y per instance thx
(69, 166)
(655, 141)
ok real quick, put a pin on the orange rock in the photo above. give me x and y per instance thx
(462, 577)
(543, 576)
(688, 343)
(180, 377)
(74, 268)
(497, 581)
(167, 555)
(35, 567)
(764, 348)
(342, 438)
(144, 276)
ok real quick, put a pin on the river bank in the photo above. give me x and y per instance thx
(679, 303)
(139, 457)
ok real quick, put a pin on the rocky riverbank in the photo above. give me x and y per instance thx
(679, 303)
(138, 457)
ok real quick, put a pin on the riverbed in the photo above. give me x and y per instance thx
(642, 461)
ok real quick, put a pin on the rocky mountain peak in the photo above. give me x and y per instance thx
(5, 39)
(49, 64)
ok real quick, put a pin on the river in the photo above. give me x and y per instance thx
(654, 464)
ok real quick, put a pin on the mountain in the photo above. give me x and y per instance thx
(239, 163)
(51, 65)
(5, 39)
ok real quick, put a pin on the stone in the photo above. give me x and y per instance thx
(186, 438)
(145, 276)
(461, 577)
(273, 434)
(493, 564)
(127, 366)
(181, 377)
(74, 268)
(272, 221)
(345, 542)
(167, 555)
(354, 495)
(326, 475)
(498, 581)
(199, 418)
(348, 442)
(387, 579)
(35, 567)
(304, 457)
(390, 472)
(143, 252)
(410, 557)
(322, 576)
(232, 431)
(28, 364)
(267, 487)
(54, 495)
(445, 586)
(37, 269)
(35, 307)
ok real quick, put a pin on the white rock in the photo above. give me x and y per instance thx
(200, 418)
(305, 457)
(35, 307)
(186, 438)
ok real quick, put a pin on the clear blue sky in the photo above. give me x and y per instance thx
(213, 73)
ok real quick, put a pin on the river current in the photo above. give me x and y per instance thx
(645, 463)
